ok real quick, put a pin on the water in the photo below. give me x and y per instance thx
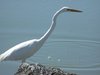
(73, 46)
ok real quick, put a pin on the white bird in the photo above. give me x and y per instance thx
(26, 49)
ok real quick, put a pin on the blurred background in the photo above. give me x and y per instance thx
(74, 44)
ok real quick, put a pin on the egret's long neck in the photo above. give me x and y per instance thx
(49, 31)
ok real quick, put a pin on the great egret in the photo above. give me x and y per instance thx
(26, 49)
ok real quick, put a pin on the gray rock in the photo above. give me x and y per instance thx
(38, 69)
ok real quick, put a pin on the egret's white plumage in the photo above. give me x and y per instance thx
(26, 49)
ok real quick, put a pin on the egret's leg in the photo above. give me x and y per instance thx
(23, 61)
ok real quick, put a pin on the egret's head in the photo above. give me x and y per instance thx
(67, 9)
(64, 9)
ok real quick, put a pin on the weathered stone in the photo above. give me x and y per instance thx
(38, 69)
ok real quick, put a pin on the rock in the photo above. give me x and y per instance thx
(38, 69)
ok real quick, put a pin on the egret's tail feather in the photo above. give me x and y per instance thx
(1, 58)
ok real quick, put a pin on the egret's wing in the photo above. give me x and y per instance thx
(17, 52)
